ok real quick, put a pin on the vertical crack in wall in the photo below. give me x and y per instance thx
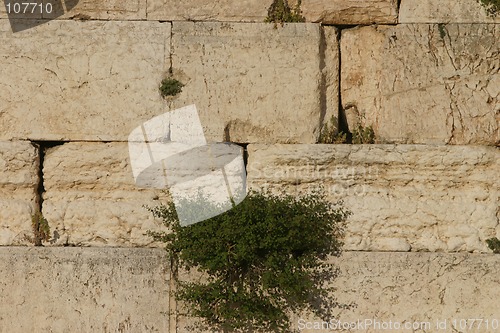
(42, 147)
(342, 119)
(323, 83)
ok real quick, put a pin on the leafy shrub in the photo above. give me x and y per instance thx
(263, 258)
(170, 87)
(492, 6)
(494, 244)
(280, 12)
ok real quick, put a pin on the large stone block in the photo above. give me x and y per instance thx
(84, 290)
(451, 11)
(414, 292)
(19, 167)
(81, 80)
(84, 10)
(251, 82)
(424, 83)
(91, 198)
(324, 11)
(350, 11)
(403, 197)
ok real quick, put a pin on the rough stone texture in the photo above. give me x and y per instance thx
(91, 198)
(403, 197)
(250, 82)
(83, 290)
(424, 83)
(104, 10)
(330, 67)
(19, 162)
(452, 11)
(324, 11)
(91, 80)
(219, 10)
(415, 288)
(350, 11)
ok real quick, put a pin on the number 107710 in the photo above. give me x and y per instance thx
(28, 8)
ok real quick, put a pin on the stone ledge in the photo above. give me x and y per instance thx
(452, 11)
(350, 12)
(403, 197)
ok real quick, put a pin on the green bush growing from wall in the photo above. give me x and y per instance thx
(263, 258)
(491, 6)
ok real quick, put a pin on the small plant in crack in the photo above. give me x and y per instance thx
(281, 12)
(329, 133)
(494, 244)
(363, 135)
(170, 87)
(41, 229)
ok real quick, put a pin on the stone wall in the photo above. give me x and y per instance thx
(425, 75)
(127, 290)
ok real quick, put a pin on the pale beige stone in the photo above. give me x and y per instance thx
(350, 11)
(84, 290)
(452, 11)
(19, 163)
(403, 197)
(91, 198)
(424, 83)
(203, 10)
(327, 12)
(250, 82)
(81, 80)
(330, 65)
(421, 289)
(102, 10)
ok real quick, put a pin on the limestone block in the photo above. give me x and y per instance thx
(19, 163)
(250, 82)
(84, 10)
(452, 11)
(424, 83)
(102, 10)
(330, 72)
(219, 10)
(350, 11)
(84, 290)
(414, 292)
(81, 80)
(327, 12)
(91, 198)
(403, 197)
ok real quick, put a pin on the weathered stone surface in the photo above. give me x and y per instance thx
(19, 162)
(81, 80)
(452, 11)
(403, 197)
(418, 289)
(327, 12)
(83, 290)
(250, 82)
(104, 10)
(85, 10)
(424, 83)
(219, 10)
(91, 198)
(330, 69)
(350, 11)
